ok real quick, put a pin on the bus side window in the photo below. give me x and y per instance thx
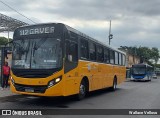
(120, 59)
(123, 60)
(84, 49)
(100, 54)
(116, 58)
(92, 51)
(71, 51)
(106, 56)
(112, 57)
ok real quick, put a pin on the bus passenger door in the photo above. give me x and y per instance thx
(71, 62)
(71, 56)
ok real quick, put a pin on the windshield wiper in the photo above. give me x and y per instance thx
(18, 45)
(27, 50)
(38, 45)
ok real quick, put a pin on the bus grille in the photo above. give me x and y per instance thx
(36, 89)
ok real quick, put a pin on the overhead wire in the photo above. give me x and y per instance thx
(17, 11)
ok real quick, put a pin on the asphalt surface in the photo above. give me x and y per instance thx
(129, 95)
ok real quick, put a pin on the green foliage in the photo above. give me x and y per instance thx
(145, 53)
(4, 40)
(155, 54)
(158, 65)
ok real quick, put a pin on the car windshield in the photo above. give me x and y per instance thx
(45, 53)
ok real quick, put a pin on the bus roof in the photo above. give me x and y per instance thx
(92, 39)
(79, 33)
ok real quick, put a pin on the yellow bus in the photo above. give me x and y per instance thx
(56, 60)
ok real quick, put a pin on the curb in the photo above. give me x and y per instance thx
(5, 92)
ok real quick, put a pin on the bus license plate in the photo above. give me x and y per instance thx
(29, 90)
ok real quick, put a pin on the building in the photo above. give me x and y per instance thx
(130, 60)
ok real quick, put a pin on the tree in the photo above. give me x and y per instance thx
(155, 54)
(4, 40)
(145, 53)
(158, 65)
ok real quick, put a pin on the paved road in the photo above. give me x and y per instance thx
(129, 95)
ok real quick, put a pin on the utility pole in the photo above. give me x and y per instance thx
(110, 35)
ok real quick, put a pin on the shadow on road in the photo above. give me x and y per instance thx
(50, 102)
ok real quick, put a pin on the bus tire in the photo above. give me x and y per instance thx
(82, 90)
(114, 86)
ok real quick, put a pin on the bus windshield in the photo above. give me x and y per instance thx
(41, 53)
(138, 70)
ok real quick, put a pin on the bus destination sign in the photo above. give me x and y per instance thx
(39, 30)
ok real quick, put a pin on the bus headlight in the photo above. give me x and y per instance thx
(12, 80)
(54, 81)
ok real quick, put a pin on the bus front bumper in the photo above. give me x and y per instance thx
(55, 90)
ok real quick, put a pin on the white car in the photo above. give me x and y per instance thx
(154, 76)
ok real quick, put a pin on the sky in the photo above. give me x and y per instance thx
(134, 22)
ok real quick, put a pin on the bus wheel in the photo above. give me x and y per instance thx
(82, 90)
(114, 86)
